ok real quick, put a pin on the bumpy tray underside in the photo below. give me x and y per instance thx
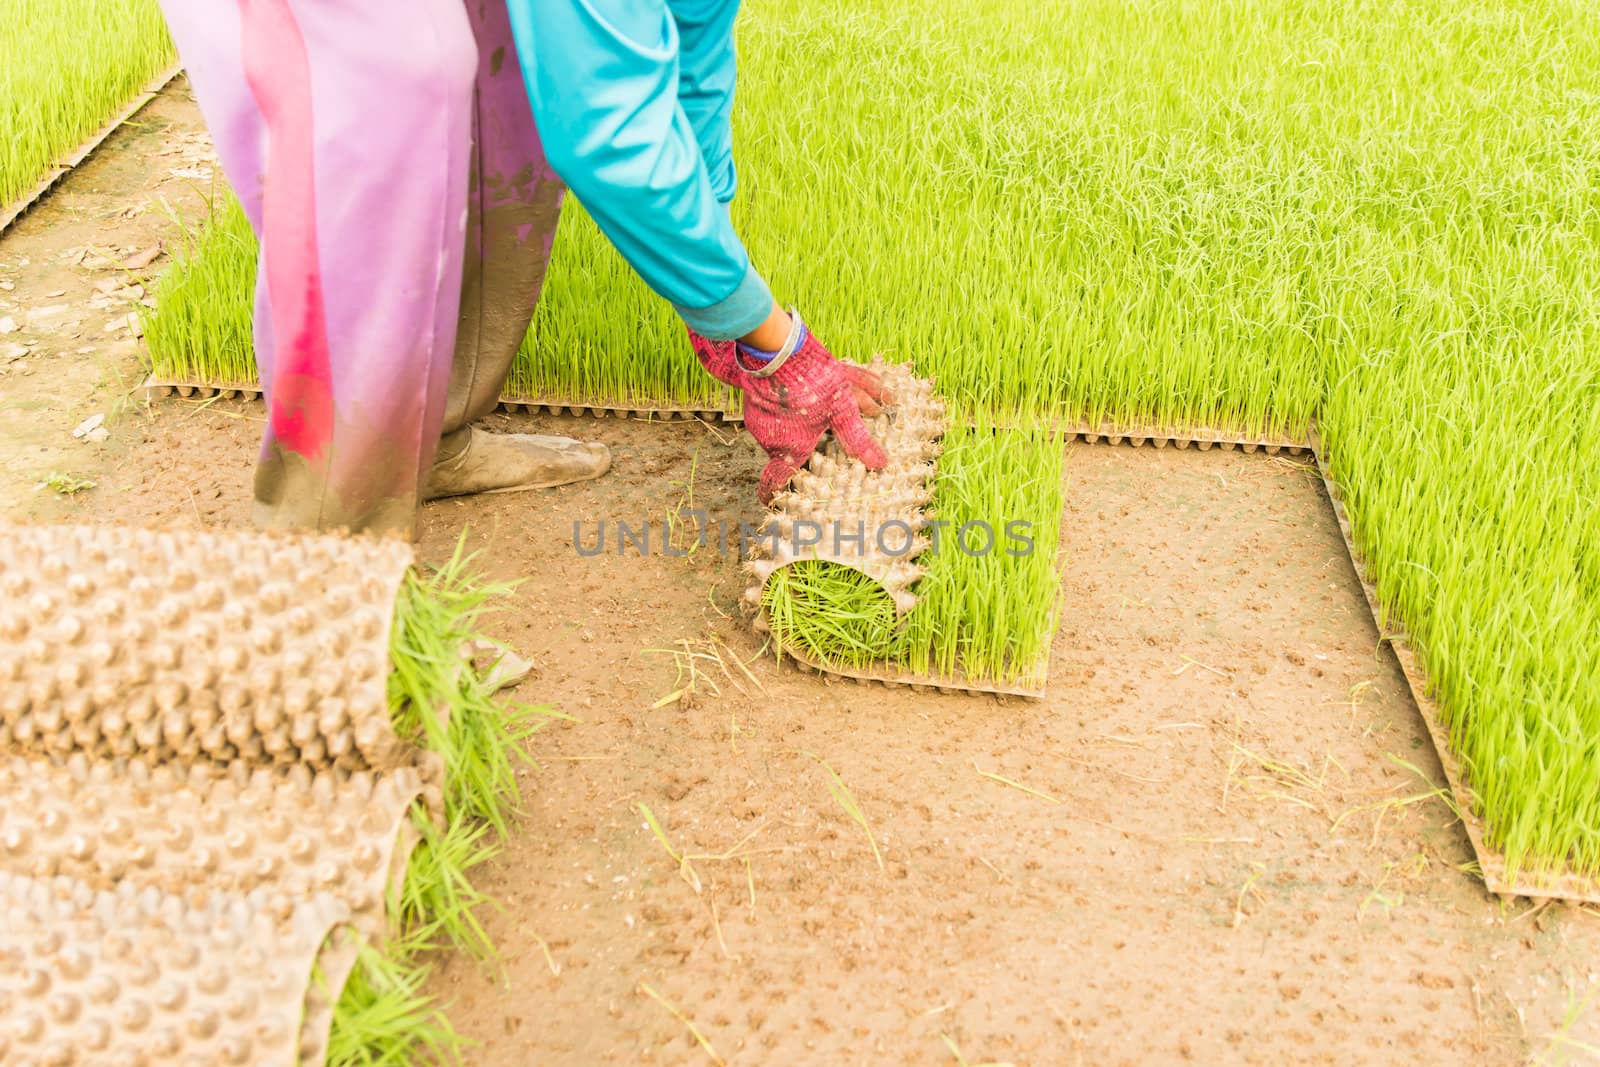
(142, 976)
(192, 831)
(196, 750)
(266, 650)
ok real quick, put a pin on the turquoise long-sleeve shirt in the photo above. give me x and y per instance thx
(633, 100)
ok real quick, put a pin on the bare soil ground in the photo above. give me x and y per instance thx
(1214, 842)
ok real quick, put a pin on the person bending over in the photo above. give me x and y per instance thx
(388, 154)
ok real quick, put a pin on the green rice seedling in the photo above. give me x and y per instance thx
(1470, 461)
(439, 905)
(831, 612)
(686, 869)
(987, 607)
(482, 740)
(383, 1016)
(847, 801)
(65, 484)
(200, 329)
(66, 66)
(577, 350)
(661, 835)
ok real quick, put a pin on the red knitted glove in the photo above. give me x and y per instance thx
(787, 412)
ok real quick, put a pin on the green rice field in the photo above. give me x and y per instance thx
(1253, 215)
(65, 67)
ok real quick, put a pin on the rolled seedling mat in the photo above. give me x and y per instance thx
(873, 523)
(200, 765)
(836, 493)
(283, 835)
(164, 645)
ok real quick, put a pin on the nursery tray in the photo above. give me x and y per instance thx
(834, 484)
(899, 678)
(242, 830)
(720, 409)
(162, 816)
(155, 388)
(600, 411)
(15, 210)
(1198, 437)
(1492, 865)
(131, 975)
(296, 666)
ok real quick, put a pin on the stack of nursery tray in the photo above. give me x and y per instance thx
(206, 797)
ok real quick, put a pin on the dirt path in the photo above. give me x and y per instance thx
(67, 348)
(1225, 850)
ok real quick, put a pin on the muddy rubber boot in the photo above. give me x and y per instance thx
(473, 461)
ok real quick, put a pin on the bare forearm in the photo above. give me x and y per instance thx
(770, 335)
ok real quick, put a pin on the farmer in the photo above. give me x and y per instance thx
(387, 156)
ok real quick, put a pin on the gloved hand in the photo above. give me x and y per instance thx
(796, 396)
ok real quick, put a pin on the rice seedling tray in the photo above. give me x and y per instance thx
(920, 683)
(139, 975)
(1198, 437)
(10, 213)
(133, 645)
(154, 388)
(850, 611)
(1033, 683)
(1491, 864)
(237, 829)
(621, 410)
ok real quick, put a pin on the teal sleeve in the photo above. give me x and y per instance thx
(604, 84)
(706, 75)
